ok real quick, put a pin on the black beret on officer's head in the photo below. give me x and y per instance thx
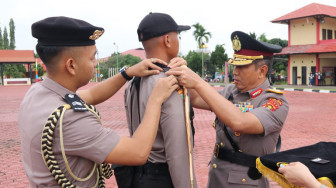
(247, 49)
(65, 31)
(158, 24)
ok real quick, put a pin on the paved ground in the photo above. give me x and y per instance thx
(311, 119)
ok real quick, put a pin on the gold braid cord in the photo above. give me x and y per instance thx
(103, 170)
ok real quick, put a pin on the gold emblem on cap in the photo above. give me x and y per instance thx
(96, 34)
(236, 43)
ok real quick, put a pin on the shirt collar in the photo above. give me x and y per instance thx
(55, 87)
(259, 90)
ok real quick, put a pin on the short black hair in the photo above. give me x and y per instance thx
(48, 53)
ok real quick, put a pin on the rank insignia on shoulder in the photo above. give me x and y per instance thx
(275, 91)
(76, 103)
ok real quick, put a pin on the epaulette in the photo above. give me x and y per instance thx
(275, 91)
(76, 103)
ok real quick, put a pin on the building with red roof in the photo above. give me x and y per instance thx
(311, 44)
(138, 52)
(16, 57)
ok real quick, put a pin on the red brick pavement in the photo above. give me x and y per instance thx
(311, 119)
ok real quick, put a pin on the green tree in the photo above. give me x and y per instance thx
(1, 40)
(12, 71)
(218, 57)
(5, 39)
(11, 34)
(123, 60)
(194, 60)
(128, 60)
(278, 41)
(253, 35)
(200, 35)
(262, 38)
(280, 62)
(40, 71)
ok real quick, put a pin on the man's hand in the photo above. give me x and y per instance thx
(177, 62)
(142, 69)
(186, 77)
(164, 88)
(298, 174)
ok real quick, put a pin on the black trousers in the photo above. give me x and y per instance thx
(150, 175)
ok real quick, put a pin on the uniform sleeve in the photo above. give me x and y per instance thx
(172, 123)
(84, 136)
(272, 113)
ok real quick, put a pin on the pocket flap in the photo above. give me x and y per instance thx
(242, 178)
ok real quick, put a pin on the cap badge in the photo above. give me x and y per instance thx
(96, 34)
(236, 43)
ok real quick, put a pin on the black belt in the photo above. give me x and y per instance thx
(153, 169)
(240, 158)
(234, 156)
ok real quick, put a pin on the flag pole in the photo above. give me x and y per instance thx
(36, 72)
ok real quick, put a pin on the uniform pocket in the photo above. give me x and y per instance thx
(241, 178)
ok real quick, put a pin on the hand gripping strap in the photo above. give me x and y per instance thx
(104, 169)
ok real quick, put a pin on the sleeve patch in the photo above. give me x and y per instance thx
(273, 104)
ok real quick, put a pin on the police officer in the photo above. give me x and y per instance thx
(73, 140)
(167, 164)
(250, 114)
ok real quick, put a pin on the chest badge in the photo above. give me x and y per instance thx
(244, 106)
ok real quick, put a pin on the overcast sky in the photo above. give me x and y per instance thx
(120, 19)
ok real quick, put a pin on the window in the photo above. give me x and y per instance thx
(324, 34)
(329, 34)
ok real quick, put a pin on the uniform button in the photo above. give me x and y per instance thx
(214, 166)
(222, 144)
(237, 134)
(243, 180)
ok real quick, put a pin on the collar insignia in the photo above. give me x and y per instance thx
(96, 34)
(256, 93)
(236, 43)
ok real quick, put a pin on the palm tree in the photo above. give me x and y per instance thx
(200, 35)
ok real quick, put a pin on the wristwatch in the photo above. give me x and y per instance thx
(123, 73)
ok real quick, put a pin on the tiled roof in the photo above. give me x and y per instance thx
(16, 56)
(139, 52)
(313, 9)
(309, 48)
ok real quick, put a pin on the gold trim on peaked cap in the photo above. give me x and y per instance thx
(240, 60)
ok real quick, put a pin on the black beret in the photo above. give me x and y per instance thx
(158, 24)
(247, 49)
(320, 159)
(65, 31)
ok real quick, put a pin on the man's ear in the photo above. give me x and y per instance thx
(167, 41)
(71, 66)
(263, 71)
